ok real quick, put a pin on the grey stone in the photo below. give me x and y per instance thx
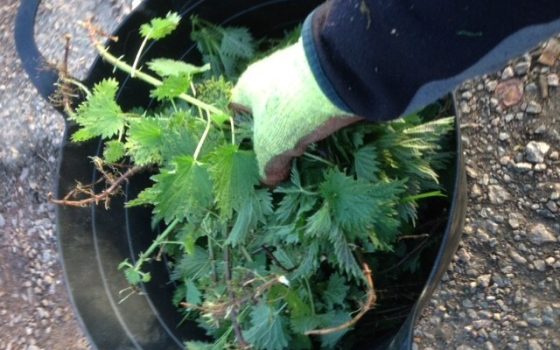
(507, 73)
(484, 280)
(522, 68)
(539, 234)
(535, 151)
(2, 221)
(552, 79)
(497, 194)
(533, 344)
(503, 136)
(539, 264)
(533, 108)
(517, 257)
(523, 167)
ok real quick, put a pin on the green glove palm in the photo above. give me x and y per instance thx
(289, 109)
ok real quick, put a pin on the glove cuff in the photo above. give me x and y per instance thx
(312, 57)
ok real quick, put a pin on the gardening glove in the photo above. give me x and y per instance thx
(289, 109)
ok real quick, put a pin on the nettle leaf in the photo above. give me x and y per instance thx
(268, 330)
(216, 91)
(234, 174)
(344, 256)
(193, 294)
(192, 266)
(336, 291)
(183, 189)
(165, 67)
(237, 42)
(171, 87)
(366, 163)
(144, 140)
(114, 151)
(333, 319)
(349, 200)
(319, 224)
(100, 115)
(159, 28)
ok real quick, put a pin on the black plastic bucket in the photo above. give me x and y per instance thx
(93, 241)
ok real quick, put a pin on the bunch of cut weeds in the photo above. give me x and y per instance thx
(291, 267)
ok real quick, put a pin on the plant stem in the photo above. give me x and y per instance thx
(125, 67)
(424, 195)
(157, 242)
(319, 159)
(78, 84)
(203, 138)
(310, 295)
(138, 54)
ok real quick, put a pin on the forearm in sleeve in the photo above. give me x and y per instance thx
(384, 58)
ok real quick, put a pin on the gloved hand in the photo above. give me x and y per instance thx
(289, 110)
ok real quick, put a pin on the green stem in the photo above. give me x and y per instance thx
(156, 243)
(319, 159)
(125, 67)
(310, 295)
(424, 195)
(138, 54)
(232, 130)
(78, 84)
(203, 138)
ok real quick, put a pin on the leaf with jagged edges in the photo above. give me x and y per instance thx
(114, 151)
(144, 140)
(349, 200)
(234, 174)
(343, 255)
(99, 115)
(172, 86)
(336, 291)
(366, 163)
(269, 328)
(237, 42)
(160, 27)
(182, 189)
(165, 67)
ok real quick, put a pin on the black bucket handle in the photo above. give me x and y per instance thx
(42, 75)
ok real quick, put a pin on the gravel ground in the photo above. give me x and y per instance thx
(501, 292)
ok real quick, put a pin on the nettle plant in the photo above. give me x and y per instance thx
(289, 267)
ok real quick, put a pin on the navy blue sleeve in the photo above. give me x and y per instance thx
(383, 58)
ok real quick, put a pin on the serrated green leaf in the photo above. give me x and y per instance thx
(144, 140)
(171, 87)
(147, 197)
(237, 42)
(100, 115)
(350, 201)
(234, 174)
(319, 224)
(192, 266)
(159, 28)
(198, 345)
(216, 91)
(337, 289)
(193, 294)
(165, 67)
(333, 319)
(114, 151)
(344, 256)
(183, 189)
(366, 163)
(309, 263)
(132, 276)
(243, 223)
(268, 329)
